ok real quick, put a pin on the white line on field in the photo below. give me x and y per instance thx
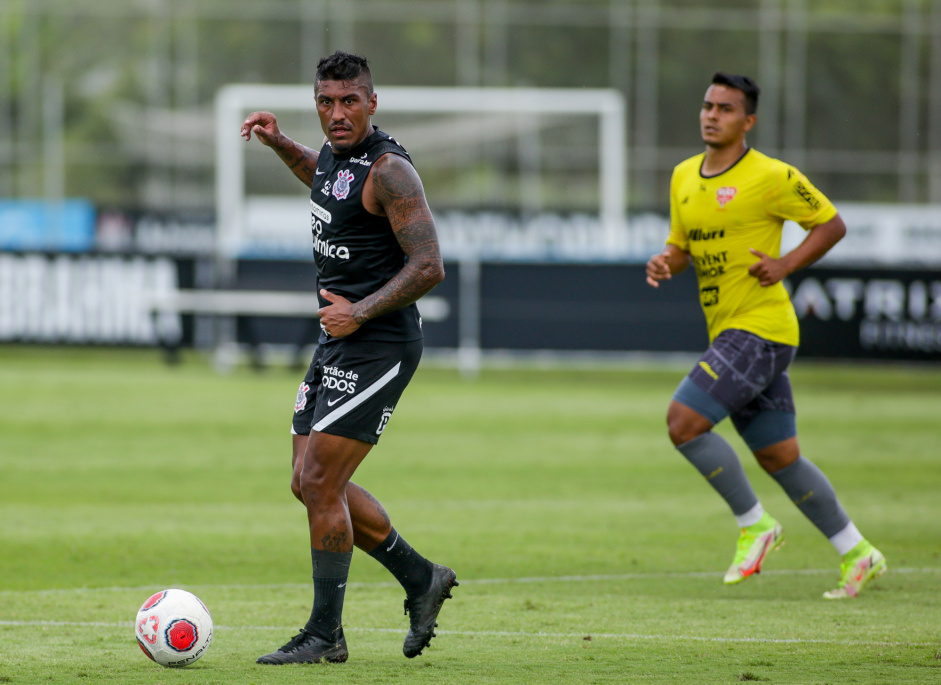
(519, 633)
(469, 581)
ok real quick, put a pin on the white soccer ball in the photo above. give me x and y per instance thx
(174, 628)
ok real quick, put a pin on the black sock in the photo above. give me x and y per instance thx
(409, 567)
(331, 571)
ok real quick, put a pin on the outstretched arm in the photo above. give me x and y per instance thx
(818, 242)
(396, 191)
(302, 161)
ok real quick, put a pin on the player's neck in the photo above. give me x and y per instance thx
(721, 159)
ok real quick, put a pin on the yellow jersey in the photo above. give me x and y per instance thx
(716, 219)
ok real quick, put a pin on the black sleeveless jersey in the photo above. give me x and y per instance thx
(356, 252)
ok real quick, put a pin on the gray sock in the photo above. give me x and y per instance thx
(715, 459)
(810, 490)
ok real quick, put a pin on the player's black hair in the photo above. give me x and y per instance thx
(342, 66)
(742, 83)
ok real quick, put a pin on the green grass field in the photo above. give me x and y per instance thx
(588, 550)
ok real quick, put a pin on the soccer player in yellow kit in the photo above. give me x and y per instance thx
(727, 209)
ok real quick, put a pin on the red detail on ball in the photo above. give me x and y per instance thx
(181, 635)
(145, 650)
(153, 601)
(147, 628)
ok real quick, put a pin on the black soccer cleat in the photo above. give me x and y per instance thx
(423, 610)
(307, 648)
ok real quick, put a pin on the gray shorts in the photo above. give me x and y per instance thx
(743, 376)
(351, 388)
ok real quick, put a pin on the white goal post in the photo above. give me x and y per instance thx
(245, 218)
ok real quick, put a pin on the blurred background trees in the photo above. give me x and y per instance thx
(113, 99)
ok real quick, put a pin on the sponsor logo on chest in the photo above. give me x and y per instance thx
(706, 234)
(322, 246)
(320, 213)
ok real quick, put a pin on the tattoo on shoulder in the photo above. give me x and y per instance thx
(395, 181)
(399, 190)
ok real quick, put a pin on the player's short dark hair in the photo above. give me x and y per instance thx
(742, 83)
(342, 66)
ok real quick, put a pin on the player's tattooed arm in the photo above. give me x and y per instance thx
(301, 160)
(398, 189)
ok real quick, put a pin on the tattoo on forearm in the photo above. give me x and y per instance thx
(305, 157)
(302, 161)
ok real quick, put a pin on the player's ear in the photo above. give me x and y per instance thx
(373, 102)
(750, 120)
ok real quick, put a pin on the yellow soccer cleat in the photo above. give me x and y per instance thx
(860, 565)
(753, 544)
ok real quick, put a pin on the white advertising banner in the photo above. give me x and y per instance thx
(85, 299)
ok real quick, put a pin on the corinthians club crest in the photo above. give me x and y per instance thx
(301, 400)
(341, 188)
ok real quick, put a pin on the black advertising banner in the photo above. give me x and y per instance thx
(845, 313)
(868, 313)
(590, 307)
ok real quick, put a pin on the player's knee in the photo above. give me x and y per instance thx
(681, 433)
(683, 427)
(316, 486)
(296, 487)
(780, 455)
(311, 484)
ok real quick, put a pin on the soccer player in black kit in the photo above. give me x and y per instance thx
(376, 252)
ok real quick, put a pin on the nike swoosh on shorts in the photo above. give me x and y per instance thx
(358, 399)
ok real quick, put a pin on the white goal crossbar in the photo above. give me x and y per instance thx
(233, 102)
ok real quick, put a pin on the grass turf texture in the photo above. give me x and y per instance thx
(588, 550)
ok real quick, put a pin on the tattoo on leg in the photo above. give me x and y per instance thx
(336, 540)
(381, 510)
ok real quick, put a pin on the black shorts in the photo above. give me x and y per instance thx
(351, 388)
(744, 376)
